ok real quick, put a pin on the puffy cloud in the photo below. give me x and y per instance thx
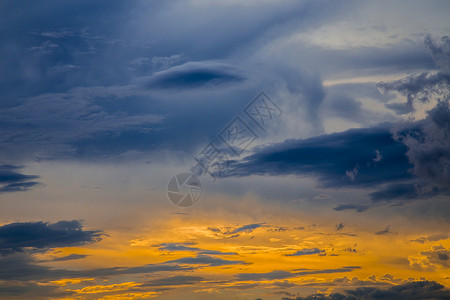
(422, 88)
(440, 52)
(406, 291)
(307, 252)
(428, 144)
(431, 238)
(431, 259)
(429, 149)
(438, 255)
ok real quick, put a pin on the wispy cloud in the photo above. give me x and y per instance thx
(11, 180)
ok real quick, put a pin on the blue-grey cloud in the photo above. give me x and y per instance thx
(438, 255)
(419, 87)
(188, 247)
(286, 274)
(11, 180)
(72, 256)
(247, 228)
(385, 231)
(431, 238)
(307, 251)
(21, 266)
(440, 51)
(55, 50)
(330, 157)
(429, 149)
(32, 290)
(405, 291)
(194, 75)
(203, 259)
(230, 232)
(428, 146)
(405, 191)
(340, 226)
(16, 237)
(356, 207)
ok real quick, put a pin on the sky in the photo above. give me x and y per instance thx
(224, 149)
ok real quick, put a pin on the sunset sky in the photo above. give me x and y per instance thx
(319, 132)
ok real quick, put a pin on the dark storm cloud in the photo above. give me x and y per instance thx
(405, 191)
(107, 52)
(53, 45)
(285, 274)
(331, 157)
(194, 75)
(11, 180)
(356, 207)
(18, 187)
(9, 174)
(14, 237)
(429, 149)
(405, 291)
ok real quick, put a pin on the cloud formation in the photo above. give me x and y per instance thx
(11, 180)
(329, 157)
(273, 275)
(188, 247)
(406, 291)
(307, 252)
(15, 237)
